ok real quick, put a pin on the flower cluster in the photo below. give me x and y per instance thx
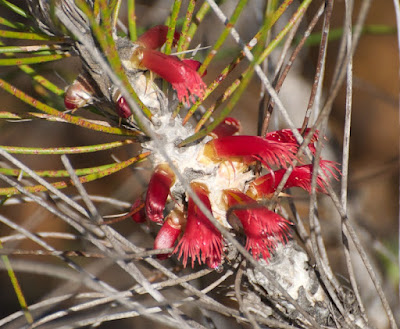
(144, 56)
(219, 170)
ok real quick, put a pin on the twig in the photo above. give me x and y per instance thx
(94, 214)
(238, 293)
(349, 4)
(43, 182)
(316, 90)
(397, 12)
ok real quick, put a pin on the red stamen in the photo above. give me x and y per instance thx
(195, 65)
(286, 136)
(262, 227)
(201, 239)
(183, 78)
(265, 186)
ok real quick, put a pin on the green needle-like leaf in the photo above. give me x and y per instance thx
(185, 27)
(104, 35)
(336, 34)
(246, 76)
(29, 36)
(65, 150)
(171, 26)
(32, 59)
(227, 70)
(222, 37)
(132, 20)
(84, 179)
(14, 8)
(17, 287)
(56, 173)
(30, 49)
(39, 78)
(14, 25)
(204, 9)
(66, 117)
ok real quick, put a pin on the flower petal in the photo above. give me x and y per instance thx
(262, 227)
(265, 186)
(169, 232)
(157, 192)
(228, 127)
(122, 108)
(155, 37)
(183, 78)
(79, 94)
(201, 239)
(137, 211)
(286, 136)
(195, 65)
(249, 149)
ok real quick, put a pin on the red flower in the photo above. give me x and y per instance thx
(183, 78)
(79, 94)
(122, 107)
(228, 127)
(286, 136)
(262, 227)
(169, 232)
(182, 75)
(155, 37)
(249, 149)
(265, 186)
(201, 239)
(157, 192)
(195, 65)
(137, 211)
